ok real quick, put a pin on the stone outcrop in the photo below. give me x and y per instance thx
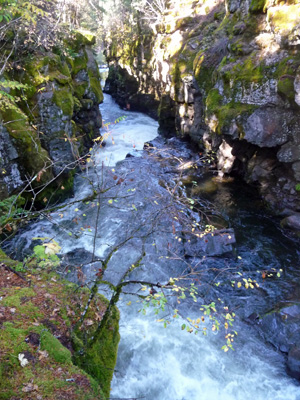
(43, 137)
(280, 328)
(227, 76)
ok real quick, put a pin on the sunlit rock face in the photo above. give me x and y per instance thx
(227, 69)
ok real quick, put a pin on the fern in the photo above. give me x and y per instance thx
(13, 85)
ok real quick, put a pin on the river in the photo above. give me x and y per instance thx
(143, 198)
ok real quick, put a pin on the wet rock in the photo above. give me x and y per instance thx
(291, 222)
(211, 244)
(78, 266)
(281, 329)
(166, 115)
(228, 77)
(293, 362)
(78, 256)
(259, 168)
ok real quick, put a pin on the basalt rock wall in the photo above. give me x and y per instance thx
(43, 136)
(226, 75)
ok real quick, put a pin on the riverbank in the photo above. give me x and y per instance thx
(41, 340)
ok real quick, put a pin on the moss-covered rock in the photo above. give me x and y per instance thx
(283, 19)
(231, 69)
(96, 91)
(32, 156)
(99, 360)
(57, 122)
(219, 116)
(83, 37)
(79, 62)
(286, 87)
(257, 6)
(38, 313)
(63, 98)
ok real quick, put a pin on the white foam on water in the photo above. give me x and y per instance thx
(125, 137)
(170, 364)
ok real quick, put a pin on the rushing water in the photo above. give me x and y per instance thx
(171, 364)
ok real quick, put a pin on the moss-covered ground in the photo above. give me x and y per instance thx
(38, 313)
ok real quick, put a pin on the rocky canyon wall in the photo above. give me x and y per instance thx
(226, 75)
(54, 123)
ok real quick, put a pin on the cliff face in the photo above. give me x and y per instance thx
(226, 75)
(54, 124)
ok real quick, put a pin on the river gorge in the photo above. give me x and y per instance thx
(146, 189)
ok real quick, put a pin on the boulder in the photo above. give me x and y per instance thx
(291, 222)
(293, 362)
(212, 244)
(280, 327)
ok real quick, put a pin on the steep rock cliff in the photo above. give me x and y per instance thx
(226, 75)
(54, 123)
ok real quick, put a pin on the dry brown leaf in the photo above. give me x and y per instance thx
(43, 354)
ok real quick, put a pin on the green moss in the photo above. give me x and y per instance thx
(13, 376)
(63, 98)
(247, 71)
(225, 113)
(286, 88)
(203, 72)
(284, 19)
(257, 6)
(13, 339)
(77, 105)
(17, 125)
(226, 28)
(40, 70)
(100, 360)
(286, 67)
(214, 100)
(27, 143)
(55, 349)
(79, 63)
(83, 37)
(96, 89)
(80, 89)
(183, 22)
(15, 300)
(40, 369)
(8, 261)
(59, 77)
(176, 81)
